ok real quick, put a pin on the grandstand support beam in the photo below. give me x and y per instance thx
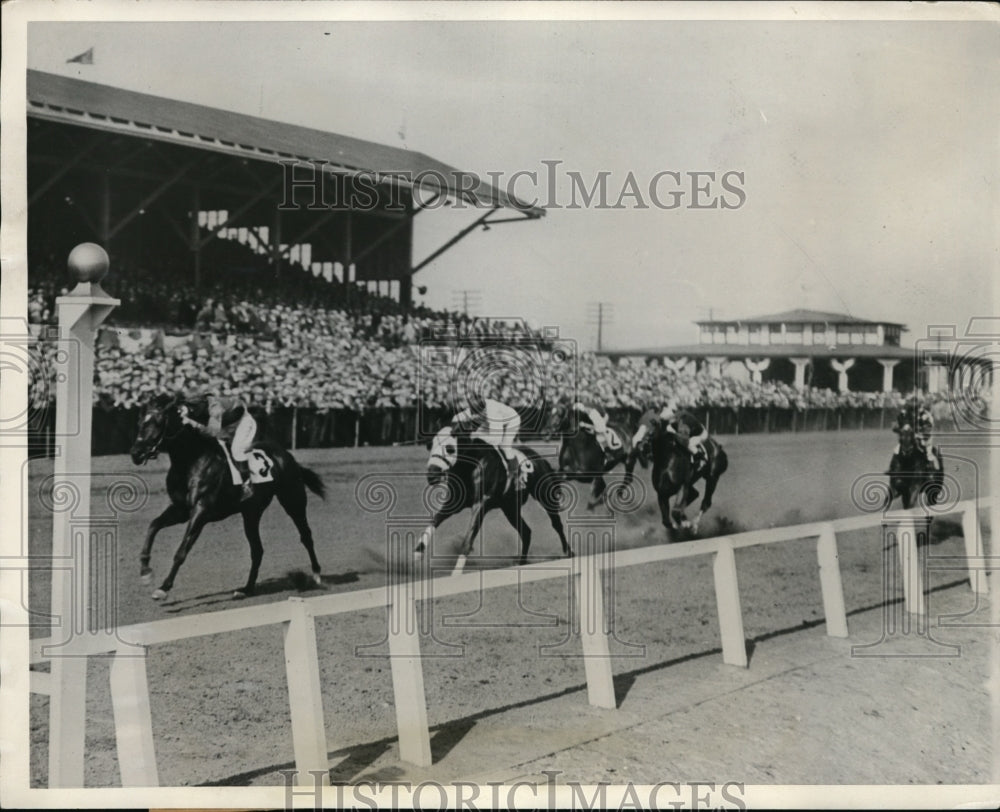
(231, 220)
(458, 237)
(158, 192)
(315, 226)
(105, 226)
(195, 234)
(170, 221)
(393, 230)
(275, 240)
(65, 169)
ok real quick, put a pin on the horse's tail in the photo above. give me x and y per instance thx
(312, 481)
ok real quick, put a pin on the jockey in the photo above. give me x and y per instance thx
(673, 418)
(919, 417)
(240, 435)
(594, 414)
(496, 423)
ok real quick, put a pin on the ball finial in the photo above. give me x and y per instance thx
(88, 262)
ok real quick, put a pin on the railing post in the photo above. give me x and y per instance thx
(974, 549)
(727, 599)
(408, 674)
(830, 583)
(593, 624)
(80, 313)
(305, 697)
(909, 565)
(133, 719)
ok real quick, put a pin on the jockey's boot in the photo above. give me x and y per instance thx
(511, 473)
(246, 490)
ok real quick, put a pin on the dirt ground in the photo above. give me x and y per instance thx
(505, 686)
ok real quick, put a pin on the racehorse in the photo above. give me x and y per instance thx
(581, 458)
(910, 475)
(675, 473)
(201, 489)
(474, 474)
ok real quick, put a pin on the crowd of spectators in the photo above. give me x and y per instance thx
(310, 343)
(312, 358)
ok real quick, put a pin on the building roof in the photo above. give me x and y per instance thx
(801, 316)
(102, 107)
(769, 351)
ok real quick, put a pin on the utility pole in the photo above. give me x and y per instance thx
(600, 313)
(465, 300)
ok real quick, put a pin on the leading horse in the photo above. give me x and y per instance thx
(201, 489)
(675, 473)
(474, 475)
(911, 476)
(581, 458)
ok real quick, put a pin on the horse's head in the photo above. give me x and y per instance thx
(158, 421)
(907, 439)
(444, 455)
(642, 440)
(559, 419)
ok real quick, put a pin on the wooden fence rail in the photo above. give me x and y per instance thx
(129, 644)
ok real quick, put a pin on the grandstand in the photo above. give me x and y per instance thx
(316, 326)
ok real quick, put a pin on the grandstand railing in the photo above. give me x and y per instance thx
(311, 427)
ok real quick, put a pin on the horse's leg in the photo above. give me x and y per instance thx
(174, 514)
(292, 497)
(597, 492)
(629, 467)
(512, 510)
(251, 527)
(194, 527)
(706, 502)
(665, 511)
(478, 512)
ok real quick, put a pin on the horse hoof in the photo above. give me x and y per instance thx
(317, 579)
(459, 566)
(239, 595)
(159, 594)
(146, 578)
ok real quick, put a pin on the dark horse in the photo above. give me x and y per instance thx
(580, 456)
(675, 473)
(911, 475)
(201, 489)
(475, 475)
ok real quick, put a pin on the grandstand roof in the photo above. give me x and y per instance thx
(769, 351)
(103, 107)
(800, 316)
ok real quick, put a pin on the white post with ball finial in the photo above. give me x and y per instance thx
(80, 313)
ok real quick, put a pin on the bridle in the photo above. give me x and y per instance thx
(154, 451)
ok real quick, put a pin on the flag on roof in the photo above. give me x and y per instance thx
(86, 58)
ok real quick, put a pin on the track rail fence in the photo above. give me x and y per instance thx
(129, 644)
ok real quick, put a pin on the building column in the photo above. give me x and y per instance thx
(757, 368)
(887, 367)
(841, 367)
(676, 364)
(714, 363)
(800, 371)
(937, 375)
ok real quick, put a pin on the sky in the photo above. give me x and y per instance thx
(866, 152)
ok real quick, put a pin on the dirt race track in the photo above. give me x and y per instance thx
(507, 701)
